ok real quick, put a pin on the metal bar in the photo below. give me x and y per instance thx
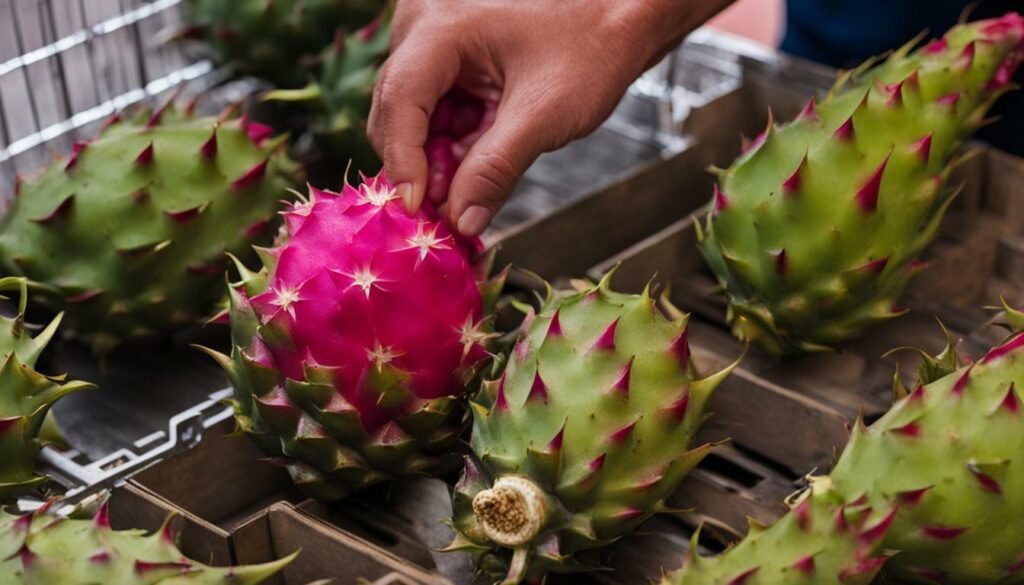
(184, 431)
(106, 109)
(20, 41)
(103, 28)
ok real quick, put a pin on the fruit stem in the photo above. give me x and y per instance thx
(517, 569)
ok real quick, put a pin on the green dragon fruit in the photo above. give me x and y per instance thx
(815, 230)
(271, 39)
(820, 542)
(42, 548)
(128, 235)
(353, 346)
(584, 434)
(340, 101)
(939, 468)
(25, 396)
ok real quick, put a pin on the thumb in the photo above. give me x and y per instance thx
(410, 84)
(494, 165)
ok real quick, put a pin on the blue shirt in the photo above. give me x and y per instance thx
(842, 33)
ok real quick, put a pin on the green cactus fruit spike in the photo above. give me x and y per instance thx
(42, 548)
(820, 542)
(814, 231)
(948, 454)
(271, 38)
(25, 397)
(585, 433)
(947, 460)
(1012, 318)
(128, 236)
(342, 95)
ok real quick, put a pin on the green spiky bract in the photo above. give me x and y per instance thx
(815, 229)
(341, 97)
(42, 548)
(821, 542)
(946, 459)
(128, 236)
(594, 415)
(25, 397)
(270, 38)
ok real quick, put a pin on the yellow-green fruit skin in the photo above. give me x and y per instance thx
(128, 235)
(598, 407)
(42, 548)
(25, 397)
(815, 230)
(272, 39)
(945, 469)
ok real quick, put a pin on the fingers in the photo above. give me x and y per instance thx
(495, 163)
(416, 75)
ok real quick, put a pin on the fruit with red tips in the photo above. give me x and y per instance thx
(25, 396)
(271, 38)
(822, 541)
(128, 234)
(943, 465)
(340, 102)
(582, 437)
(814, 229)
(354, 344)
(43, 548)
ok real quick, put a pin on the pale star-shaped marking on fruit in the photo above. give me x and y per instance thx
(474, 333)
(378, 193)
(381, 356)
(366, 279)
(285, 298)
(426, 242)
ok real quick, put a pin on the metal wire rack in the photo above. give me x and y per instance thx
(66, 65)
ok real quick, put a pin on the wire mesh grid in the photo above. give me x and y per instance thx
(66, 65)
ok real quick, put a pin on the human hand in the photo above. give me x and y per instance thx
(556, 69)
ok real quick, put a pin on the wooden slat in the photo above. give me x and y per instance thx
(571, 240)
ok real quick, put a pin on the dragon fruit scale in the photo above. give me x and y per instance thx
(582, 437)
(816, 227)
(354, 344)
(25, 397)
(271, 39)
(128, 235)
(940, 477)
(43, 548)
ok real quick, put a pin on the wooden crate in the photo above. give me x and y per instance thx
(325, 552)
(236, 507)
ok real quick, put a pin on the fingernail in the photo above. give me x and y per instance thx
(404, 191)
(474, 220)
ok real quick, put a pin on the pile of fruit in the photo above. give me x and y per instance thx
(364, 347)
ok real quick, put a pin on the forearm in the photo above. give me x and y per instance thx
(667, 22)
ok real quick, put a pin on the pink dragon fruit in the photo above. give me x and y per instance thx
(459, 120)
(353, 345)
